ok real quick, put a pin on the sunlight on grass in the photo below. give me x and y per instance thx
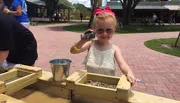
(164, 45)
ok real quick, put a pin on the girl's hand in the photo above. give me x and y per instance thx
(131, 78)
(88, 35)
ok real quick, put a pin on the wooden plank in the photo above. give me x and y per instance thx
(47, 78)
(138, 97)
(8, 99)
(52, 90)
(8, 75)
(96, 92)
(22, 85)
(123, 95)
(22, 73)
(83, 79)
(20, 80)
(124, 83)
(29, 72)
(76, 76)
(29, 68)
(123, 88)
(76, 98)
(2, 86)
(113, 80)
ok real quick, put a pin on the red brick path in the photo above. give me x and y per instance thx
(159, 73)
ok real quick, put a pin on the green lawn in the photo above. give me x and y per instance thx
(156, 45)
(76, 28)
(48, 23)
(129, 29)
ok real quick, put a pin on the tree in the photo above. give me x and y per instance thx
(177, 40)
(128, 7)
(94, 4)
(51, 6)
(66, 2)
(80, 8)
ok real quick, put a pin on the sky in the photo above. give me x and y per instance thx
(85, 2)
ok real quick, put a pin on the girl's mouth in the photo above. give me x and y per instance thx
(104, 37)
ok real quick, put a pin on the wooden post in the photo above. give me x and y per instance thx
(177, 40)
(68, 14)
(64, 14)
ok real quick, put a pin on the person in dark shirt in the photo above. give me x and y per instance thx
(17, 44)
(81, 16)
(174, 18)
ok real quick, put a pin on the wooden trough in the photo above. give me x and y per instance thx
(120, 92)
(73, 90)
(17, 79)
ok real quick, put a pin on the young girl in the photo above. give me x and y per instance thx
(101, 52)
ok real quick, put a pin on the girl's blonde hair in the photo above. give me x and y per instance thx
(104, 16)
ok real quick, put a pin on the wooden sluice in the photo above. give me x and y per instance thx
(72, 90)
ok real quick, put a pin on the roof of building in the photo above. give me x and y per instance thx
(37, 2)
(171, 5)
(42, 3)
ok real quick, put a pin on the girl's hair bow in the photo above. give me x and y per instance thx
(106, 9)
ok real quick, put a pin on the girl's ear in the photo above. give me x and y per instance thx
(93, 27)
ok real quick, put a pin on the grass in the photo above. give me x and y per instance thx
(47, 23)
(156, 44)
(76, 28)
(129, 28)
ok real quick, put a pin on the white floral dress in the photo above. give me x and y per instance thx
(101, 62)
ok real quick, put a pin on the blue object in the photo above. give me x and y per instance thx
(4, 64)
(24, 16)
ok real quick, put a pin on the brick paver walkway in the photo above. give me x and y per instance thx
(159, 73)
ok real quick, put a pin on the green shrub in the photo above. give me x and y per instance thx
(87, 17)
(72, 17)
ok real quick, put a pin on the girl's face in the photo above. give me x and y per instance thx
(104, 30)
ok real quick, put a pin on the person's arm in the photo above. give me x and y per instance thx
(18, 11)
(1, 5)
(124, 66)
(6, 39)
(80, 46)
(3, 56)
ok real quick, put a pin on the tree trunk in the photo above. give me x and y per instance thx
(91, 20)
(177, 40)
(125, 17)
(51, 6)
(128, 7)
(94, 5)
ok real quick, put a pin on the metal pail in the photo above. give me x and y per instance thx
(60, 68)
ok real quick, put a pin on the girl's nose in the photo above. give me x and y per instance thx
(105, 33)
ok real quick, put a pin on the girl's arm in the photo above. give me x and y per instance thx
(124, 66)
(80, 46)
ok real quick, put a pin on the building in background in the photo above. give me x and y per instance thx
(37, 8)
(145, 9)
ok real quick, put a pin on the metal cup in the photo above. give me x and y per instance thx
(60, 68)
